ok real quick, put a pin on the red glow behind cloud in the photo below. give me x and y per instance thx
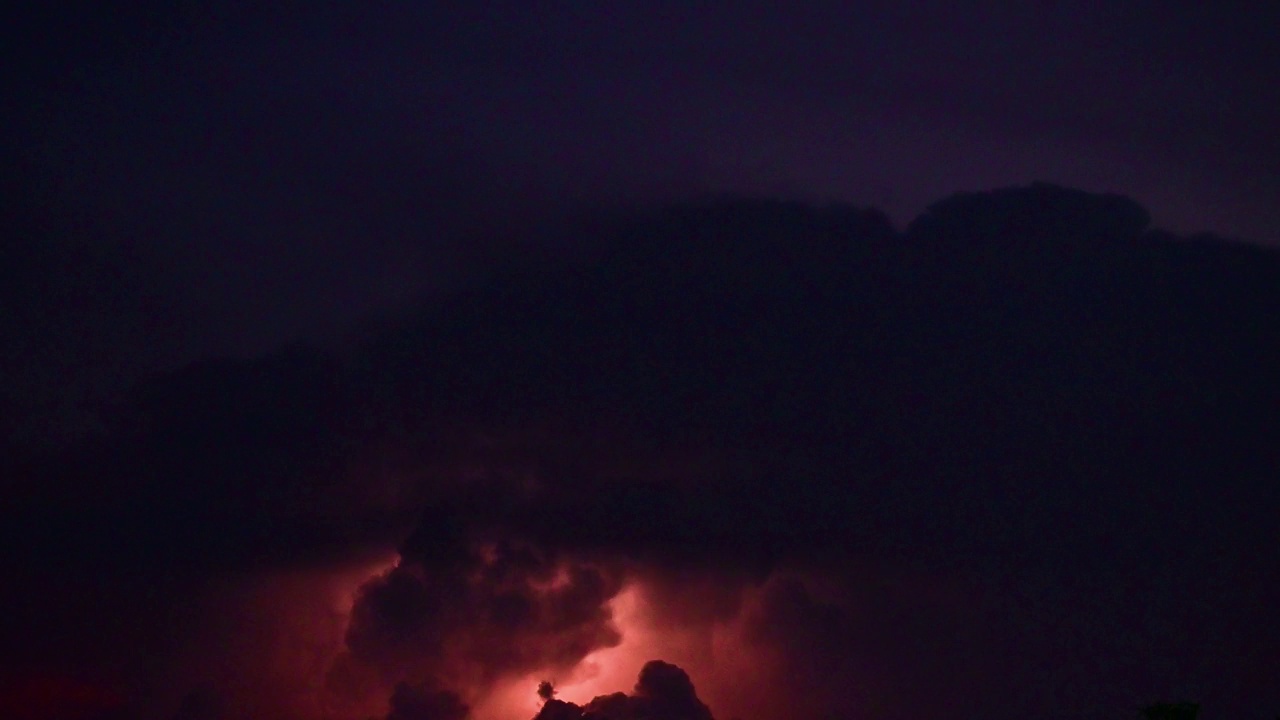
(713, 650)
(264, 642)
(282, 655)
(601, 672)
(754, 647)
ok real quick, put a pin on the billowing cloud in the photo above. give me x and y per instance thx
(509, 608)
(824, 467)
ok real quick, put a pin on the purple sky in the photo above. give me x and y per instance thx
(259, 154)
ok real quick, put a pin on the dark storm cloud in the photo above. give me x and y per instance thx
(1028, 383)
(471, 613)
(422, 702)
(295, 136)
(1004, 332)
(77, 305)
(1050, 427)
(206, 462)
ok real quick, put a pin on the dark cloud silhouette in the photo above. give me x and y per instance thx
(1022, 380)
(1028, 437)
(662, 691)
(421, 702)
(779, 348)
(1041, 217)
(471, 610)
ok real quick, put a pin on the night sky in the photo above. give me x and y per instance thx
(729, 361)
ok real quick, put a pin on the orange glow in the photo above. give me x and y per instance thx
(612, 669)
(275, 661)
(733, 675)
(714, 655)
(346, 585)
(730, 672)
(601, 672)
